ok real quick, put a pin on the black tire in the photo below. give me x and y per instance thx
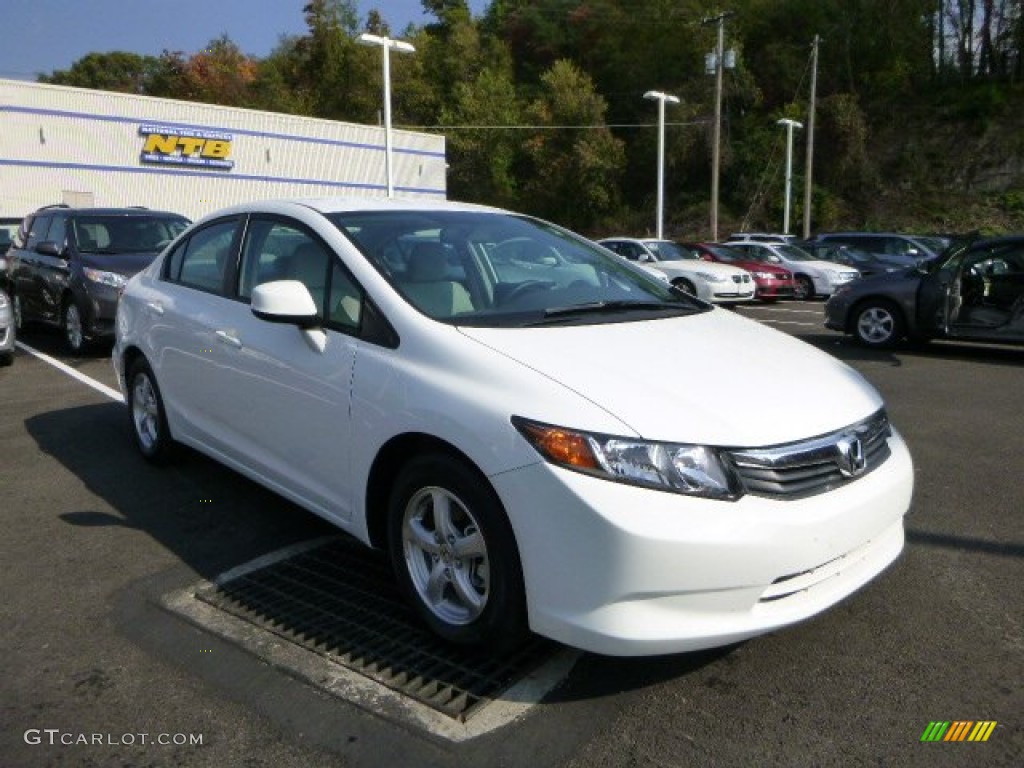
(72, 323)
(16, 310)
(685, 285)
(803, 288)
(6, 358)
(467, 584)
(147, 415)
(878, 323)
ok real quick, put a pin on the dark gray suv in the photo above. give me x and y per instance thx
(67, 266)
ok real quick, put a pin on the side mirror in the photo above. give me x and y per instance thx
(285, 301)
(51, 248)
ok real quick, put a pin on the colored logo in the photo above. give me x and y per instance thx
(174, 145)
(958, 730)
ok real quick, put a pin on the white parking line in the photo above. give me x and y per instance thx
(113, 394)
(788, 311)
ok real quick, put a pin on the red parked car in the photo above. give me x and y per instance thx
(773, 282)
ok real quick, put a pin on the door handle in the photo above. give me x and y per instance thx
(155, 307)
(229, 338)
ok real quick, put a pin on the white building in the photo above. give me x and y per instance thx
(84, 148)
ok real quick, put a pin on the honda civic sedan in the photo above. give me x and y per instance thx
(537, 447)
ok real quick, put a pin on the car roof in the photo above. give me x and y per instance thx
(126, 211)
(354, 204)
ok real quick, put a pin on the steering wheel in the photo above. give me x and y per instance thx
(525, 287)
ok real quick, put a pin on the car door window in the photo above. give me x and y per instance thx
(202, 261)
(57, 231)
(280, 250)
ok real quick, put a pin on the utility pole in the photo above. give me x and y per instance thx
(716, 140)
(809, 164)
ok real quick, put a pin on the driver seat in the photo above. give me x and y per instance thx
(428, 286)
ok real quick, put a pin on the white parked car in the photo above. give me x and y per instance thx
(539, 443)
(707, 280)
(811, 277)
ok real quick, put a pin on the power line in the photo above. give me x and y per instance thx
(595, 126)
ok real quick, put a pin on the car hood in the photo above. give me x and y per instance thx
(126, 264)
(691, 379)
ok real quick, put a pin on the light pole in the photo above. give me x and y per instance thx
(387, 45)
(661, 98)
(790, 125)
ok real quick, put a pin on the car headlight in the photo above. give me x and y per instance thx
(712, 278)
(113, 279)
(763, 275)
(693, 470)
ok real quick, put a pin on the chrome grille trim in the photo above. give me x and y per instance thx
(814, 466)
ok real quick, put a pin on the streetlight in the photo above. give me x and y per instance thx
(387, 45)
(661, 98)
(790, 125)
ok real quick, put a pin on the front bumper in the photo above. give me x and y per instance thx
(620, 570)
(773, 289)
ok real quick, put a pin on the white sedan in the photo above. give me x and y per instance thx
(523, 421)
(707, 280)
(811, 277)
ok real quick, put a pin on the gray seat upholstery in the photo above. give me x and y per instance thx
(428, 286)
(308, 265)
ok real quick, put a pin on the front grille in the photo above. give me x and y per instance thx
(741, 278)
(809, 467)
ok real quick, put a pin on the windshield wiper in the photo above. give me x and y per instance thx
(600, 307)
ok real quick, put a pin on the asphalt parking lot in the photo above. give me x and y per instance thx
(96, 671)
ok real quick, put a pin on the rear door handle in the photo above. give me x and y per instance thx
(229, 338)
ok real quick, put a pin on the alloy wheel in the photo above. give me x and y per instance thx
(446, 556)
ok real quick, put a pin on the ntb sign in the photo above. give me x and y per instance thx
(177, 145)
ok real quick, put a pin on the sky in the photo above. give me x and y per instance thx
(47, 35)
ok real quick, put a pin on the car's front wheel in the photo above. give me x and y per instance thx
(685, 285)
(19, 317)
(455, 555)
(878, 323)
(148, 417)
(74, 330)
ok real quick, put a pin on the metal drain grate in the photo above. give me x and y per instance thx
(340, 601)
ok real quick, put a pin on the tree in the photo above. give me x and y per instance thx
(114, 71)
(574, 164)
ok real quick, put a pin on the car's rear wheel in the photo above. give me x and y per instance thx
(878, 323)
(74, 330)
(148, 417)
(455, 555)
(803, 287)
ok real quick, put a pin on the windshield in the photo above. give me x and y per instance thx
(725, 253)
(793, 253)
(666, 250)
(934, 244)
(494, 269)
(125, 234)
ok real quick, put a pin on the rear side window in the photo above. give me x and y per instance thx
(203, 259)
